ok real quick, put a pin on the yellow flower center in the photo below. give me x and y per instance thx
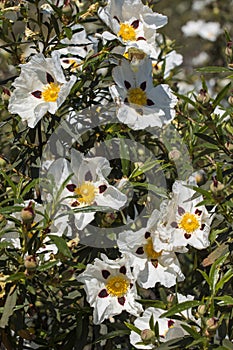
(50, 92)
(137, 96)
(149, 250)
(189, 222)
(86, 193)
(127, 32)
(117, 286)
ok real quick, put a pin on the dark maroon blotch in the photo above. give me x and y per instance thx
(149, 102)
(88, 176)
(121, 300)
(143, 86)
(198, 212)
(181, 211)
(105, 274)
(187, 235)
(71, 187)
(147, 234)
(141, 38)
(140, 251)
(49, 78)
(102, 188)
(127, 84)
(37, 93)
(170, 323)
(135, 24)
(123, 270)
(202, 227)
(103, 293)
(174, 224)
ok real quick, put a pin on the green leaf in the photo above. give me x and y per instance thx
(206, 138)
(113, 334)
(133, 328)
(228, 275)
(225, 300)
(16, 277)
(191, 331)
(47, 265)
(61, 245)
(181, 307)
(221, 95)
(213, 69)
(206, 277)
(8, 307)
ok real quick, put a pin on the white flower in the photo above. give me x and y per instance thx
(182, 222)
(206, 30)
(110, 288)
(40, 88)
(132, 23)
(88, 185)
(168, 329)
(170, 61)
(141, 104)
(154, 266)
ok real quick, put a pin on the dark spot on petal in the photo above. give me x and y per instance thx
(75, 204)
(126, 100)
(105, 274)
(202, 227)
(127, 84)
(123, 270)
(141, 38)
(187, 235)
(147, 235)
(170, 323)
(131, 285)
(135, 24)
(149, 102)
(140, 251)
(117, 19)
(154, 262)
(102, 188)
(198, 212)
(71, 187)
(121, 300)
(88, 176)
(37, 93)
(66, 61)
(181, 211)
(174, 224)
(49, 78)
(103, 293)
(143, 86)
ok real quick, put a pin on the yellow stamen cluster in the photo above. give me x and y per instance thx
(137, 96)
(86, 193)
(117, 285)
(149, 250)
(189, 222)
(50, 92)
(127, 32)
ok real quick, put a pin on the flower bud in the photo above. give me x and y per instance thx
(212, 324)
(201, 310)
(2, 162)
(230, 100)
(28, 214)
(109, 218)
(30, 262)
(174, 155)
(217, 188)
(228, 49)
(203, 97)
(148, 336)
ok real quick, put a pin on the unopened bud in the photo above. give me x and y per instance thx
(30, 262)
(28, 214)
(230, 100)
(109, 218)
(216, 187)
(203, 97)
(148, 336)
(2, 162)
(201, 310)
(174, 155)
(228, 49)
(212, 324)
